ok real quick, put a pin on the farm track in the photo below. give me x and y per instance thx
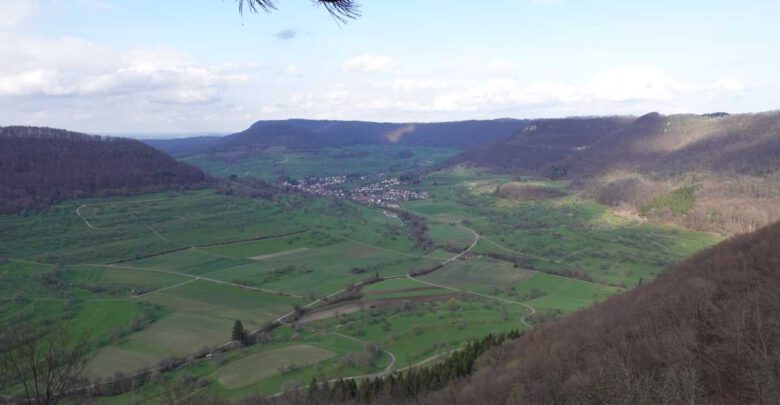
(86, 221)
(158, 234)
(477, 237)
(192, 278)
(208, 245)
(531, 309)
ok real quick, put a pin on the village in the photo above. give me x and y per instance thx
(386, 193)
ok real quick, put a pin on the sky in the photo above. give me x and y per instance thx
(198, 66)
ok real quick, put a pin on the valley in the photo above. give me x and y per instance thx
(329, 287)
(345, 202)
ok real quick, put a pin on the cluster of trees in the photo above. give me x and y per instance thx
(425, 270)
(43, 166)
(247, 187)
(41, 362)
(418, 227)
(525, 192)
(541, 144)
(723, 203)
(351, 293)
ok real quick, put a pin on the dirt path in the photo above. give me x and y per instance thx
(280, 254)
(86, 222)
(158, 234)
(459, 255)
(195, 278)
(384, 373)
(531, 310)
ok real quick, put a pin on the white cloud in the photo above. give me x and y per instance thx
(417, 84)
(630, 89)
(72, 67)
(371, 63)
(502, 65)
(15, 11)
(292, 70)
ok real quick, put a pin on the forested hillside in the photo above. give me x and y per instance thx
(706, 331)
(714, 172)
(542, 143)
(42, 166)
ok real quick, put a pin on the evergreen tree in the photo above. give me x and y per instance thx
(238, 332)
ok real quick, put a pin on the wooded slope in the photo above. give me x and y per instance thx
(42, 166)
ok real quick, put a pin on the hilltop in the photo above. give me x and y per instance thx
(310, 134)
(42, 166)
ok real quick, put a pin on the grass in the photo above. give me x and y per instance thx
(481, 276)
(224, 302)
(259, 366)
(679, 201)
(317, 271)
(130, 227)
(415, 332)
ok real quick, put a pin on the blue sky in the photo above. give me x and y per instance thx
(198, 66)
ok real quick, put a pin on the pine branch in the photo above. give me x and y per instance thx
(341, 10)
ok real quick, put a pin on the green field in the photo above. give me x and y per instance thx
(168, 274)
(260, 366)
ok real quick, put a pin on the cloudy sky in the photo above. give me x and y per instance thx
(135, 66)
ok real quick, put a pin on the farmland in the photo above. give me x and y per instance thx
(166, 275)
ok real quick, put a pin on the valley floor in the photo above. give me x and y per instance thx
(167, 275)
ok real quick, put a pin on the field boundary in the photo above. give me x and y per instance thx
(208, 245)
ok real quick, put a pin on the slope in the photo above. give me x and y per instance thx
(42, 166)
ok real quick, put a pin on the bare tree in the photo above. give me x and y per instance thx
(339, 9)
(45, 362)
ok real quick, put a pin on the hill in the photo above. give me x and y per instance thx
(714, 172)
(42, 166)
(308, 134)
(541, 143)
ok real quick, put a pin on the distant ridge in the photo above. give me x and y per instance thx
(42, 166)
(307, 134)
(651, 144)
